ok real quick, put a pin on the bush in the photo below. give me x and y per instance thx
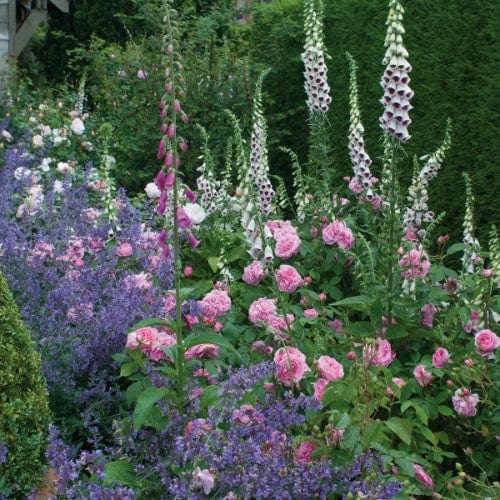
(23, 402)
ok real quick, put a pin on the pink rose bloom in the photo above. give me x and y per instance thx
(422, 476)
(261, 311)
(469, 362)
(287, 245)
(428, 311)
(202, 351)
(417, 264)
(124, 250)
(187, 271)
(163, 339)
(354, 186)
(247, 414)
(440, 358)
(384, 355)
(423, 377)
(215, 303)
(278, 325)
(302, 455)
(319, 388)
(337, 233)
(399, 382)
(203, 479)
(333, 435)
(142, 338)
(141, 74)
(486, 342)
(336, 325)
(253, 273)
(329, 368)
(465, 403)
(290, 365)
(310, 313)
(198, 426)
(288, 278)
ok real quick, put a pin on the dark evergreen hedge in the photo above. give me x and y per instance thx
(453, 46)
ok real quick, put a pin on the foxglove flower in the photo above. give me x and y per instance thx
(315, 74)
(397, 94)
(472, 249)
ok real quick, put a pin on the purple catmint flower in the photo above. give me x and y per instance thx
(397, 94)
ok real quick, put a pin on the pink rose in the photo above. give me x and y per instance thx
(302, 455)
(202, 351)
(428, 311)
(279, 325)
(163, 339)
(416, 263)
(287, 245)
(188, 271)
(290, 365)
(288, 278)
(486, 342)
(198, 426)
(124, 250)
(310, 313)
(399, 382)
(203, 479)
(247, 414)
(422, 476)
(333, 435)
(440, 358)
(319, 388)
(423, 377)
(384, 355)
(215, 303)
(337, 233)
(329, 368)
(336, 325)
(254, 273)
(261, 311)
(465, 403)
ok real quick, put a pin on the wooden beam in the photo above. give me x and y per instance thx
(25, 32)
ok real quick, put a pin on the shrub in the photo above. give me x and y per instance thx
(24, 411)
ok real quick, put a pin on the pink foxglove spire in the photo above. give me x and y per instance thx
(397, 94)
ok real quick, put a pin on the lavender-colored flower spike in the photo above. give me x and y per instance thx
(259, 167)
(472, 248)
(315, 74)
(396, 100)
(359, 157)
(418, 214)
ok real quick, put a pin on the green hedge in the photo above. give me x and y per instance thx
(24, 411)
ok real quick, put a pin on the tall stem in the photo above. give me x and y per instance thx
(390, 246)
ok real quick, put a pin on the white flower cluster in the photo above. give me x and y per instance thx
(472, 248)
(397, 94)
(315, 74)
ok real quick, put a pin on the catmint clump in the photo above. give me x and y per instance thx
(397, 94)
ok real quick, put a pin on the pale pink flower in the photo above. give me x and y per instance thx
(261, 311)
(486, 342)
(247, 414)
(187, 271)
(279, 325)
(384, 355)
(124, 250)
(399, 382)
(416, 263)
(336, 325)
(197, 426)
(203, 479)
(319, 388)
(337, 233)
(469, 362)
(440, 358)
(288, 278)
(202, 351)
(290, 365)
(465, 403)
(77, 126)
(423, 377)
(422, 476)
(287, 245)
(163, 339)
(310, 313)
(333, 435)
(215, 303)
(37, 141)
(141, 74)
(253, 273)
(302, 455)
(428, 311)
(329, 368)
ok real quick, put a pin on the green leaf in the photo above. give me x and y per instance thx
(457, 247)
(213, 262)
(421, 413)
(401, 427)
(134, 390)
(428, 434)
(121, 472)
(209, 396)
(351, 438)
(374, 433)
(445, 410)
(395, 332)
(151, 322)
(207, 338)
(147, 400)
(128, 368)
(359, 302)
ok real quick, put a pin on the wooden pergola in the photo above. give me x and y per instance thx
(18, 21)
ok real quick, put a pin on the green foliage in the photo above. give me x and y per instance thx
(24, 412)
